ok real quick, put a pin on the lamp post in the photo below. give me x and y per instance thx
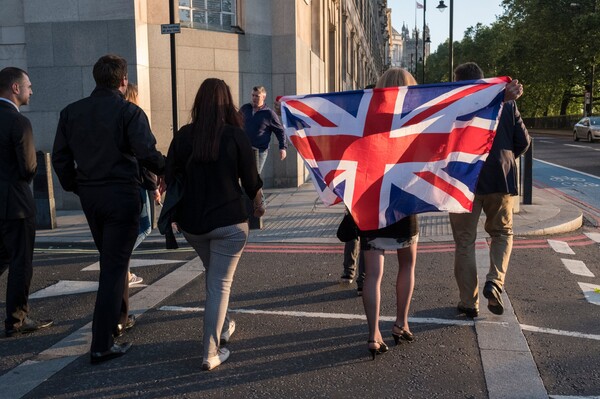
(425, 40)
(416, 70)
(442, 7)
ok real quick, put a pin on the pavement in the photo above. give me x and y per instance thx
(296, 215)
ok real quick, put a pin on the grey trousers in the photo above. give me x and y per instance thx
(220, 251)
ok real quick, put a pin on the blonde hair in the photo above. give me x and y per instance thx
(394, 77)
(131, 93)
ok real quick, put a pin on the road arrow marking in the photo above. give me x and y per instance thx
(561, 247)
(577, 267)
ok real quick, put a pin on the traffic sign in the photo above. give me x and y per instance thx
(167, 29)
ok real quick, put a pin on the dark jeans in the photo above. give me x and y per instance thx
(113, 214)
(17, 237)
(353, 257)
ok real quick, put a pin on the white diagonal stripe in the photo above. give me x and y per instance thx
(561, 247)
(593, 236)
(577, 267)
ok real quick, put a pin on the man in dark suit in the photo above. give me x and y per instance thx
(17, 207)
(101, 143)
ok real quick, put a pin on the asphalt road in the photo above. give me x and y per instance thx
(300, 335)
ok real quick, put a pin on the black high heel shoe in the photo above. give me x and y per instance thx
(379, 350)
(403, 335)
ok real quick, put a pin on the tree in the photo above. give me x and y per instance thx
(550, 46)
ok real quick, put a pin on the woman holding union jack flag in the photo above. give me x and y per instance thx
(402, 237)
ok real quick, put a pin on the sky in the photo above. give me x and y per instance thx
(466, 13)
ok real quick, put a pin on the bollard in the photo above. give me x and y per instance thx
(43, 193)
(528, 176)
(254, 223)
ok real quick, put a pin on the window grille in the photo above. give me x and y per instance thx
(208, 14)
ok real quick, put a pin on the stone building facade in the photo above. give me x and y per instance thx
(288, 46)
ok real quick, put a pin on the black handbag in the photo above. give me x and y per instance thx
(172, 197)
(348, 230)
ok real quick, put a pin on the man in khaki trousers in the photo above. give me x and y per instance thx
(496, 188)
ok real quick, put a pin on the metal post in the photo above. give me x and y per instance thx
(416, 71)
(528, 176)
(424, 41)
(173, 68)
(592, 88)
(451, 45)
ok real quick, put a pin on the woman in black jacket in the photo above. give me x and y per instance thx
(211, 156)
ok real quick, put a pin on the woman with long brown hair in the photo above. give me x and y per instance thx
(211, 156)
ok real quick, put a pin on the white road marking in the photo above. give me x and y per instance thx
(572, 397)
(591, 292)
(136, 263)
(319, 315)
(565, 168)
(564, 333)
(22, 379)
(593, 236)
(579, 146)
(69, 287)
(577, 267)
(346, 316)
(561, 247)
(66, 287)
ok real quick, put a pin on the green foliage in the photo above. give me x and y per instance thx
(550, 46)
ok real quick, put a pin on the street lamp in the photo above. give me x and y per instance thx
(442, 7)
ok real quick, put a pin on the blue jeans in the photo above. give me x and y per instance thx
(145, 222)
(262, 158)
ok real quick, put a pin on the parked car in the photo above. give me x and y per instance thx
(587, 128)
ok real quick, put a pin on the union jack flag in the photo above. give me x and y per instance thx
(392, 152)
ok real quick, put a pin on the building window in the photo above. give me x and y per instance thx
(209, 14)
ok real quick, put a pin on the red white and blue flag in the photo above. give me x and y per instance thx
(392, 152)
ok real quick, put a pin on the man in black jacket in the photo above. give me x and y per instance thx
(496, 188)
(17, 207)
(101, 142)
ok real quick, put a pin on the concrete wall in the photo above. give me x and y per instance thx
(64, 38)
(12, 34)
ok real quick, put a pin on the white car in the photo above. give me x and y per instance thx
(587, 128)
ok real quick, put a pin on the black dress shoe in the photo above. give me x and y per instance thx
(115, 351)
(493, 293)
(128, 326)
(28, 326)
(469, 312)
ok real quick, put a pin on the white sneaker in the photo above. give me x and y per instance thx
(133, 279)
(215, 361)
(225, 336)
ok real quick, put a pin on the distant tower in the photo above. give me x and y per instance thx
(403, 48)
